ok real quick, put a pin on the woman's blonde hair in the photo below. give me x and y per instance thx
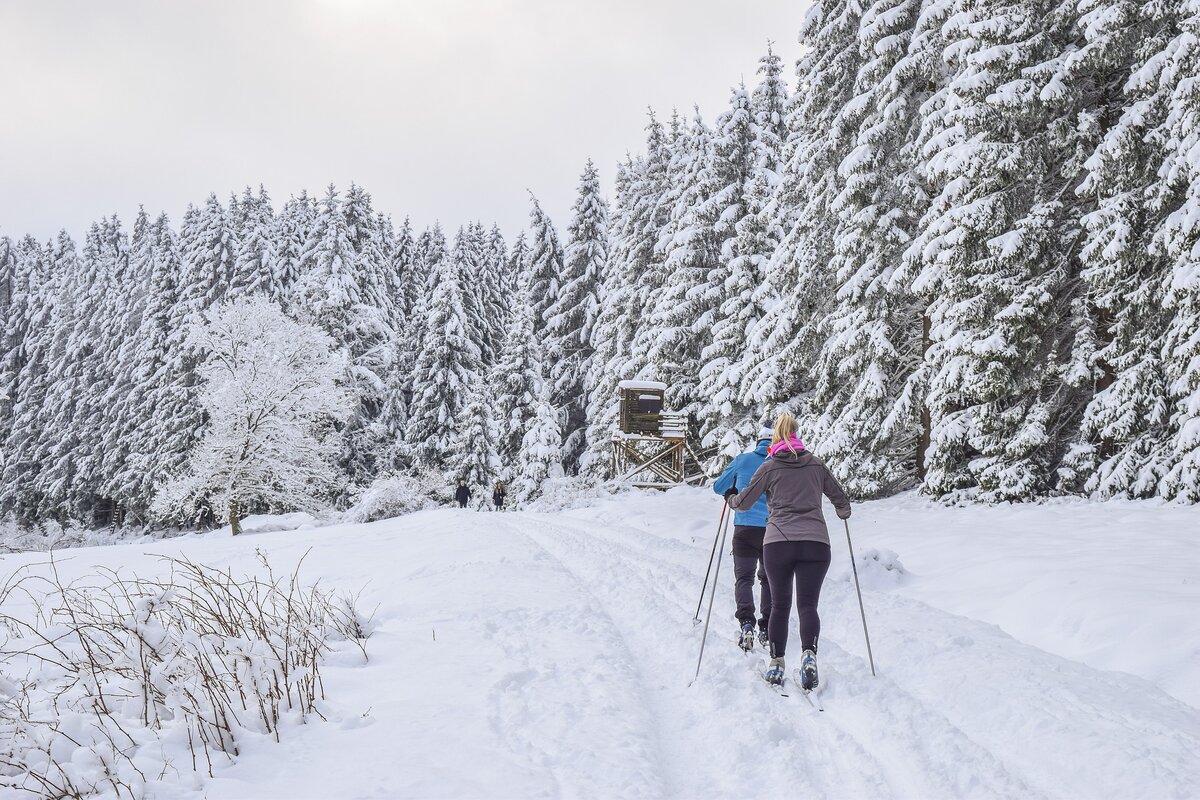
(785, 428)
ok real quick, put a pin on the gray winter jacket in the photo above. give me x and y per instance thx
(794, 483)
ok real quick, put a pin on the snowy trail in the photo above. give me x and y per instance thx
(886, 755)
(549, 656)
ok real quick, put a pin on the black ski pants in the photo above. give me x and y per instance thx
(805, 563)
(748, 559)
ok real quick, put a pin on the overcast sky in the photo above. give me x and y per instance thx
(442, 109)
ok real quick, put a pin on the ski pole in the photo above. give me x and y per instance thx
(712, 594)
(696, 616)
(858, 589)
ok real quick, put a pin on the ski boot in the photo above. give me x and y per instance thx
(746, 637)
(808, 671)
(764, 640)
(774, 673)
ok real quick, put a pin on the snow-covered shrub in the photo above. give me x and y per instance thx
(878, 569)
(113, 682)
(391, 496)
(560, 494)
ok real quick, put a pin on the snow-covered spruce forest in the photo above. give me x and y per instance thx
(962, 245)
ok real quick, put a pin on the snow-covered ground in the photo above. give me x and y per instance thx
(1029, 651)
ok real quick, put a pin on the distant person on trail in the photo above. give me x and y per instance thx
(462, 494)
(796, 546)
(498, 495)
(749, 527)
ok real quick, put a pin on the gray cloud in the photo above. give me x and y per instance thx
(443, 110)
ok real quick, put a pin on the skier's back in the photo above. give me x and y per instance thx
(796, 544)
(749, 527)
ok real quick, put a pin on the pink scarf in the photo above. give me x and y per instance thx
(794, 444)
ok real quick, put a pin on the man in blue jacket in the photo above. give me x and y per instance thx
(749, 527)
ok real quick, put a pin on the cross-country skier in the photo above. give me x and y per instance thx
(462, 494)
(498, 495)
(796, 545)
(749, 527)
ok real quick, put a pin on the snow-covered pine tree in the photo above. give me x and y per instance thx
(470, 263)
(123, 395)
(683, 312)
(781, 349)
(471, 444)
(496, 287)
(431, 250)
(293, 230)
(572, 317)
(657, 278)
(97, 343)
(769, 104)
(638, 226)
(428, 250)
(865, 422)
(405, 290)
(166, 419)
(370, 236)
(23, 269)
(56, 422)
(612, 335)
(1179, 238)
(28, 336)
(272, 393)
(528, 441)
(255, 268)
(447, 365)
(208, 244)
(1124, 429)
(545, 264)
(339, 291)
(541, 448)
(751, 286)
(7, 276)
(518, 264)
(727, 422)
(761, 231)
(996, 254)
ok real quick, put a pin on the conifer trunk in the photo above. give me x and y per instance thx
(235, 520)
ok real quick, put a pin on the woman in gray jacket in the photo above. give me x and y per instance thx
(796, 545)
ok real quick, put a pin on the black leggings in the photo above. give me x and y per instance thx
(806, 563)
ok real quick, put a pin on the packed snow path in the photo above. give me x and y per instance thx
(549, 655)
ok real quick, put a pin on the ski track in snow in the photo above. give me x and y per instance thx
(896, 759)
(549, 656)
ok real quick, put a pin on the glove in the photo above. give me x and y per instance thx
(730, 494)
(844, 514)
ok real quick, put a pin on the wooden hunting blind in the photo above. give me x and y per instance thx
(650, 447)
(641, 407)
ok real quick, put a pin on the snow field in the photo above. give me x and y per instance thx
(548, 655)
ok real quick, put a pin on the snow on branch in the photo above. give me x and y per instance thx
(272, 391)
(116, 683)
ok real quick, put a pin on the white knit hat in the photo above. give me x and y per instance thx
(767, 432)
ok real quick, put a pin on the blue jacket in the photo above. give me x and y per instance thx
(741, 470)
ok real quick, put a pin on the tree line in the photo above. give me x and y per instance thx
(962, 250)
(960, 246)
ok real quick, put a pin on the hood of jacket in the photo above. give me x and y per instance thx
(800, 459)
